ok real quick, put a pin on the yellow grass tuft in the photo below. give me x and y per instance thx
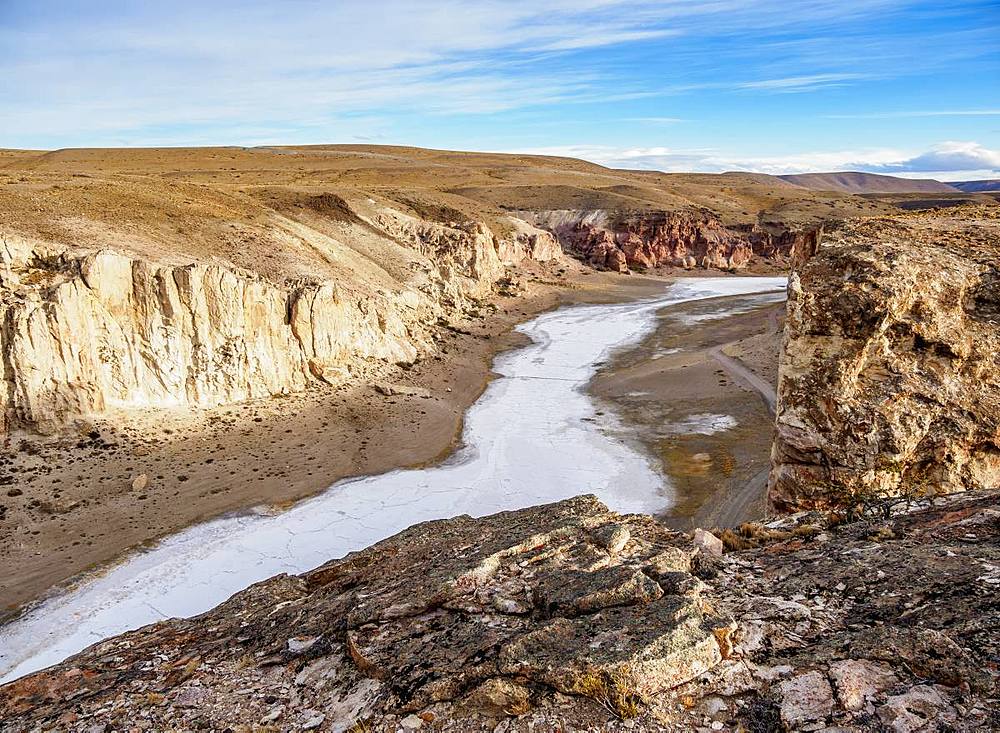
(613, 691)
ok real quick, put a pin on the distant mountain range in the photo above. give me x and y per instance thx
(855, 182)
(991, 184)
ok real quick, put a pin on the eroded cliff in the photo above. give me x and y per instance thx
(889, 380)
(88, 328)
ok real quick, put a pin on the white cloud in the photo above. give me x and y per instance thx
(603, 38)
(946, 161)
(179, 70)
(951, 156)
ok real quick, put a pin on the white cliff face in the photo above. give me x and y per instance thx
(118, 332)
(528, 242)
(84, 332)
(470, 251)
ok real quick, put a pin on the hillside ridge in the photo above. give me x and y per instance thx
(858, 182)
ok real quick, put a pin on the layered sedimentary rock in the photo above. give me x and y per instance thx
(646, 239)
(890, 369)
(85, 331)
(569, 616)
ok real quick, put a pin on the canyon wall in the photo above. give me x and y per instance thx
(889, 380)
(640, 240)
(86, 331)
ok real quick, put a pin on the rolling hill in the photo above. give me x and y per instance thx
(855, 182)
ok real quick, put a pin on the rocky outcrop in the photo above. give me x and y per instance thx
(527, 242)
(889, 379)
(470, 248)
(649, 239)
(87, 331)
(569, 616)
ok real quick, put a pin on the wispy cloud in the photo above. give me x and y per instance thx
(917, 114)
(112, 68)
(255, 71)
(802, 83)
(604, 38)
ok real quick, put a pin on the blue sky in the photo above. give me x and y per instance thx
(908, 88)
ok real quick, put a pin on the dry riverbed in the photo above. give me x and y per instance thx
(695, 393)
(79, 501)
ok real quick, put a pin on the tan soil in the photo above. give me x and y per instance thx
(77, 508)
(718, 479)
(186, 199)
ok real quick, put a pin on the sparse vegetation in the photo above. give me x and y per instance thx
(752, 534)
(613, 690)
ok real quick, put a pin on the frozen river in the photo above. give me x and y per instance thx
(533, 437)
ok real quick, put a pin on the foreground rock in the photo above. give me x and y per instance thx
(890, 371)
(571, 617)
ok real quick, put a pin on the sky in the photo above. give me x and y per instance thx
(887, 86)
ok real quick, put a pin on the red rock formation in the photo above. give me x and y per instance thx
(644, 240)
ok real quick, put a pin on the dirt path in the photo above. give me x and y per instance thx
(740, 373)
(736, 506)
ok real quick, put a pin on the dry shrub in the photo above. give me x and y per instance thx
(612, 690)
(751, 534)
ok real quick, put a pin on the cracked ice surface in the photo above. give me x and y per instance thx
(533, 437)
(726, 310)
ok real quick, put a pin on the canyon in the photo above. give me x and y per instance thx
(154, 284)
(162, 278)
(534, 436)
(189, 332)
